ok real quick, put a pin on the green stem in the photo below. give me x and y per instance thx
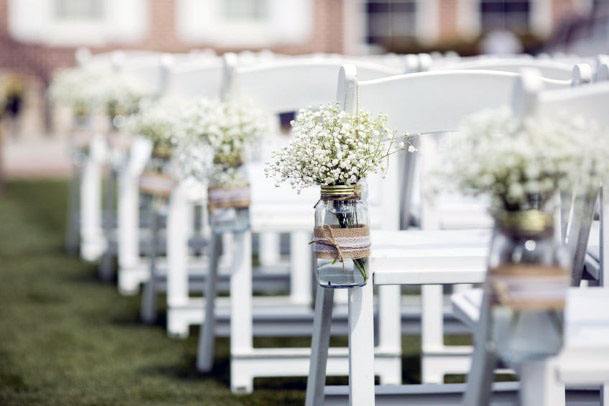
(346, 220)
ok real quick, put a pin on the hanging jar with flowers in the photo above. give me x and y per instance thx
(157, 121)
(336, 151)
(217, 138)
(522, 165)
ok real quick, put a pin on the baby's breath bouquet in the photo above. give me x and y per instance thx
(331, 147)
(158, 121)
(523, 164)
(337, 151)
(216, 137)
(74, 88)
(225, 130)
(119, 94)
(85, 89)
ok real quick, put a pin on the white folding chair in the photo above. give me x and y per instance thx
(283, 87)
(416, 104)
(149, 69)
(455, 212)
(590, 102)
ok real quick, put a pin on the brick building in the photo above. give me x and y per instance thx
(39, 36)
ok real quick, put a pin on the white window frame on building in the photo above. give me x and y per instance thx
(78, 22)
(506, 15)
(424, 21)
(469, 18)
(79, 10)
(390, 20)
(243, 23)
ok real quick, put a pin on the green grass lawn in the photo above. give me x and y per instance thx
(68, 339)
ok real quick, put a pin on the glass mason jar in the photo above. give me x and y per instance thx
(341, 241)
(82, 129)
(229, 203)
(159, 159)
(157, 181)
(527, 283)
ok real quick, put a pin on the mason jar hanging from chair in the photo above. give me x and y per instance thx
(527, 283)
(228, 202)
(341, 238)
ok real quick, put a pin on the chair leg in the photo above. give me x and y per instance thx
(432, 331)
(72, 230)
(269, 248)
(300, 271)
(105, 266)
(241, 303)
(148, 310)
(207, 335)
(605, 395)
(480, 377)
(361, 345)
(319, 346)
(539, 385)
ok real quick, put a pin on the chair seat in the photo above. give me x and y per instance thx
(417, 257)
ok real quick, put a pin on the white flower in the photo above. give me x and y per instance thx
(521, 164)
(215, 138)
(332, 147)
(87, 88)
(158, 120)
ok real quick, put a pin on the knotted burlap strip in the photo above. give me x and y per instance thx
(333, 242)
(529, 287)
(228, 197)
(156, 184)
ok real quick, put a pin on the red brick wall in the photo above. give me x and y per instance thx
(41, 60)
(448, 19)
(562, 9)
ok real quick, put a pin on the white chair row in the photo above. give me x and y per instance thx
(266, 220)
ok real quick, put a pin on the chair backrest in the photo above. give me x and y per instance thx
(288, 85)
(424, 103)
(549, 68)
(196, 79)
(149, 69)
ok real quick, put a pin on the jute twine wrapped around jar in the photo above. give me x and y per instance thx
(237, 197)
(528, 286)
(333, 242)
(156, 184)
(336, 242)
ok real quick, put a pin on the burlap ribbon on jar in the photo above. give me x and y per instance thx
(156, 184)
(529, 287)
(333, 242)
(228, 197)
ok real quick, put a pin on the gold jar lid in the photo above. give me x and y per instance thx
(334, 191)
(526, 221)
(161, 151)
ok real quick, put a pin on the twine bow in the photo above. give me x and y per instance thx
(341, 243)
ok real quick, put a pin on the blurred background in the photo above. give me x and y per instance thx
(38, 37)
